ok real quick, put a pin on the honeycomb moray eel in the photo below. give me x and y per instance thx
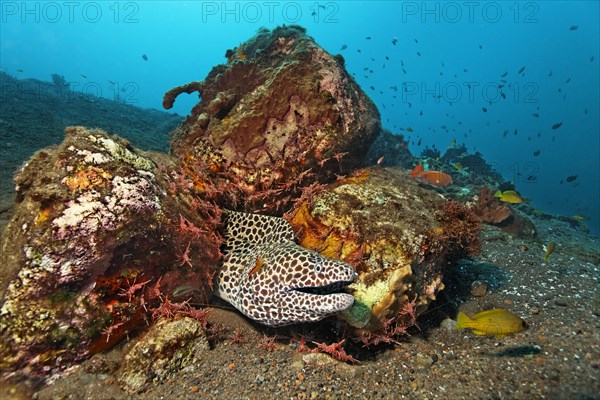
(273, 280)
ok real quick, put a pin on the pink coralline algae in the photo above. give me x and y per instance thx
(91, 211)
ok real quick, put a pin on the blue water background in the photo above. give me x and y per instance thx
(105, 41)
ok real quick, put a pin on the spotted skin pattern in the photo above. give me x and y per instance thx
(264, 271)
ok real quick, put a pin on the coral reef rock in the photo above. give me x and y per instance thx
(497, 213)
(167, 347)
(96, 225)
(389, 150)
(397, 234)
(282, 112)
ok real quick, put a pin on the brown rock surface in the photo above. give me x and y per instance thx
(281, 114)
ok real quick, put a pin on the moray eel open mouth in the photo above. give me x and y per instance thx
(332, 288)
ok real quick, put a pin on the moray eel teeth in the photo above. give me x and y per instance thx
(273, 280)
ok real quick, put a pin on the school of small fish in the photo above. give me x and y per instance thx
(375, 61)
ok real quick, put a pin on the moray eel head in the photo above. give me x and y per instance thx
(276, 282)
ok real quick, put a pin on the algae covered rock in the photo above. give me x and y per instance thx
(167, 347)
(397, 234)
(95, 227)
(280, 115)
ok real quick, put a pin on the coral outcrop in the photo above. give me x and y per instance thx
(398, 235)
(97, 224)
(491, 210)
(389, 150)
(280, 115)
(494, 212)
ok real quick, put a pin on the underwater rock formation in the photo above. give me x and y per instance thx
(399, 237)
(97, 224)
(34, 115)
(167, 346)
(394, 150)
(495, 212)
(491, 210)
(281, 114)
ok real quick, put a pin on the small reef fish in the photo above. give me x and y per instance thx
(549, 249)
(144, 57)
(509, 196)
(435, 178)
(571, 178)
(497, 322)
(573, 28)
(536, 153)
(557, 125)
(579, 217)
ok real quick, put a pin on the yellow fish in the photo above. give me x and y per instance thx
(509, 196)
(580, 217)
(549, 249)
(498, 322)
